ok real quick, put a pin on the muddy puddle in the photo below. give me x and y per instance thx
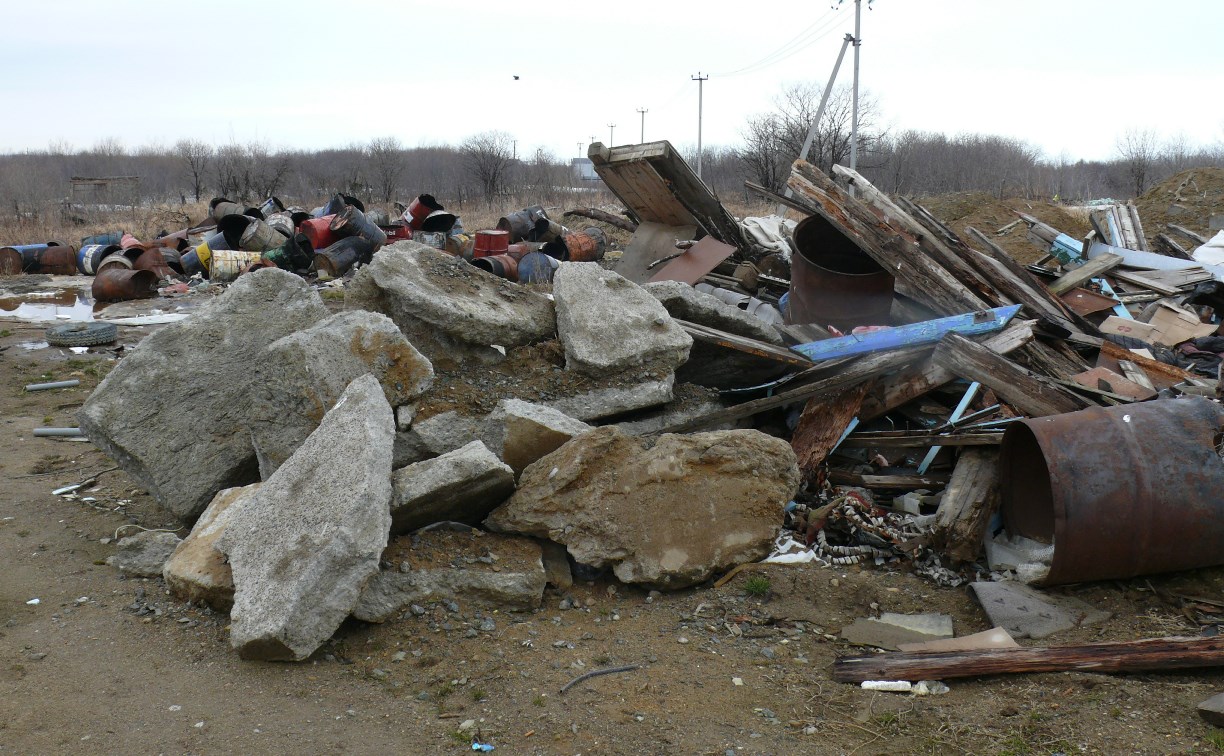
(66, 304)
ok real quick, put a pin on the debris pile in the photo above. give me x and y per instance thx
(863, 387)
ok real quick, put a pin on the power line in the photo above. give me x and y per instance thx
(802, 39)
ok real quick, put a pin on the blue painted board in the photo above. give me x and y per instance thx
(911, 335)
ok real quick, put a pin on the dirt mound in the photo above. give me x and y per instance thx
(1188, 199)
(988, 214)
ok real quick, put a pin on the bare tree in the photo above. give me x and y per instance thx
(488, 157)
(1138, 148)
(386, 159)
(763, 153)
(195, 155)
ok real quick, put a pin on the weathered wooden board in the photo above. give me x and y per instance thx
(967, 504)
(1025, 390)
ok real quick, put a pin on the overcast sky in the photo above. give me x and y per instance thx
(1066, 75)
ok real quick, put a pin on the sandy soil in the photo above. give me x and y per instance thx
(105, 664)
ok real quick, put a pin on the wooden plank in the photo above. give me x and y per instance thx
(1084, 273)
(1016, 283)
(967, 505)
(790, 202)
(1174, 249)
(1192, 236)
(804, 333)
(1160, 373)
(1137, 224)
(910, 335)
(929, 481)
(904, 440)
(1125, 656)
(821, 425)
(1022, 388)
(903, 387)
(1146, 282)
(888, 244)
(744, 344)
(823, 385)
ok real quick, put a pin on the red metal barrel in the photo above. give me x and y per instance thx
(114, 283)
(490, 243)
(520, 250)
(419, 209)
(153, 261)
(56, 261)
(398, 231)
(318, 231)
(833, 282)
(10, 261)
(129, 242)
(1119, 491)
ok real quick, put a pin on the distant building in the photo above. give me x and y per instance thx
(104, 189)
(583, 169)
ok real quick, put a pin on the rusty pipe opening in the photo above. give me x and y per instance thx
(1026, 477)
(834, 282)
(827, 248)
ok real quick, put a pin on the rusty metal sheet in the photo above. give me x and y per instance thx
(1120, 491)
(1107, 380)
(696, 262)
(1085, 301)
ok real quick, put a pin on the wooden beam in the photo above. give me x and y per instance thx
(1126, 656)
(1016, 283)
(790, 202)
(1174, 249)
(1148, 283)
(891, 246)
(876, 482)
(1084, 273)
(1196, 238)
(602, 216)
(905, 440)
(1025, 390)
(887, 394)
(843, 377)
(822, 423)
(967, 504)
(743, 344)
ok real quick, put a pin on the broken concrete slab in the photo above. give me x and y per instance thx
(303, 374)
(501, 572)
(689, 402)
(436, 435)
(173, 412)
(616, 400)
(665, 515)
(686, 303)
(521, 432)
(1212, 710)
(144, 554)
(197, 571)
(305, 544)
(1026, 612)
(933, 624)
(608, 325)
(463, 485)
(442, 302)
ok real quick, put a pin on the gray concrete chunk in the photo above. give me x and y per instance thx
(144, 554)
(304, 545)
(1026, 612)
(197, 571)
(173, 412)
(463, 485)
(521, 432)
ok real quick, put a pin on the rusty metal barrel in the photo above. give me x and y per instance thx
(537, 268)
(492, 242)
(114, 283)
(10, 261)
(440, 220)
(419, 209)
(833, 282)
(353, 222)
(503, 266)
(90, 256)
(1120, 491)
(521, 222)
(219, 207)
(153, 260)
(344, 254)
(258, 236)
(41, 258)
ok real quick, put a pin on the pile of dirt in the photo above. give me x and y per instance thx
(988, 214)
(1188, 199)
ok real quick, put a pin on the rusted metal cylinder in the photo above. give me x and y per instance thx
(40, 258)
(537, 268)
(114, 260)
(419, 209)
(398, 231)
(114, 283)
(173, 259)
(344, 254)
(521, 222)
(10, 261)
(378, 216)
(219, 207)
(521, 249)
(176, 240)
(583, 246)
(258, 236)
(111, 238)
(490, 243)
(318, 231)
(294, 255)
(833, 282)
(232, 227)
(128, 241)
(503, 266)
(90, 256)
(353, 222)
(227, 264)
(459, 245)
(283, 223)
(1120, 491)
(440, 220)
(154, 261)
(216, 241)
(546, 229)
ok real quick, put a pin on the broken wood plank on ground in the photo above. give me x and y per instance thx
(919, 440)
(967, 505)
(875, 482)
(912, 334)
(1192, 236)
(1014, 282)
(1125, 656)
(1084, 273)
(743, 344)
(602, 216)
(886, 243)
(1020, 387)
(1146, 282)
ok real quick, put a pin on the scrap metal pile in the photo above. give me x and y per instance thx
(887, 391)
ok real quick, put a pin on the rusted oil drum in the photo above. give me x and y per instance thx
(1120, 491)
(521, 249)
(226, 264)
(128, 241)
(419, 209)
(154, 261)
(459, 245)
(258, 236)
(546, 229)
(398, 231)
(318, 231)
(114, 260)
(10, 261)
(231, 227)
(353, 222)
(378, 216)
(114, 283)
(173, 259)
(833, 282)
(220, 207)
(490, 243)
(440, 220)
(537, 268)
(283, 223)
(521, 222)
(40, 258)
(90, 256)
(503, 266)
(104, 239)
(192, 265)
(176, 240)
(344, 254)
(581, 246)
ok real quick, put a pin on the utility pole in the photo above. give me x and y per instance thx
(700, 84)
(514, 154)
(642, 137)
(611, 131)
(580, 149)
(858, 40)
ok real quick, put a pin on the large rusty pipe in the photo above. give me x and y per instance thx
(833, 282)
(1119, 491)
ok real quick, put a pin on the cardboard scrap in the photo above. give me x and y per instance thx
(995, 637)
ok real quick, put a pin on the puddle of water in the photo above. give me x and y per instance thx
(51, 305)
